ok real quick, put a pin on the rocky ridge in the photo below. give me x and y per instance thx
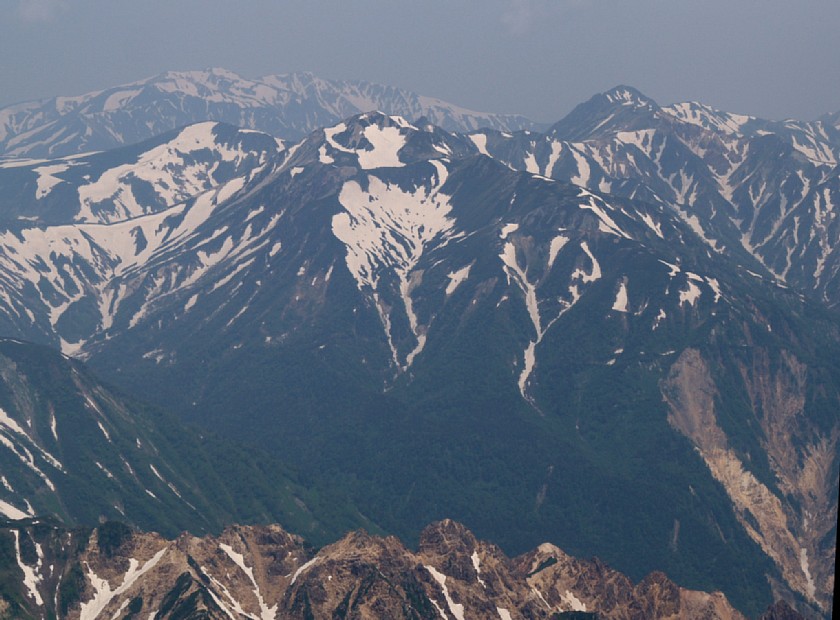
(263, 573)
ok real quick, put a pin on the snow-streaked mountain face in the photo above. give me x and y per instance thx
(750, 187)
(288, 106)
(505, 328)
(79, 224)
(100, 188)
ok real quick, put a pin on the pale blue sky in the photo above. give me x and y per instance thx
(769, 58)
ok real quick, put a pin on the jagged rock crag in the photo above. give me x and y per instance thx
(262, 573)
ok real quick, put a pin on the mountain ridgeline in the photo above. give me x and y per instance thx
(287, 106)
(264, 572)
(619, 335)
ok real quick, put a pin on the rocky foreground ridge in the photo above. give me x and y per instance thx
(262, 573)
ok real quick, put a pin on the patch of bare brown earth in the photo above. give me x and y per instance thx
(792, 533)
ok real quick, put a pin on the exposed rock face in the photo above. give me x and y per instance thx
(796, 534)
(780, 611)
(568, 584)
(261, 573)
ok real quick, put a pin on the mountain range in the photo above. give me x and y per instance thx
(619, 334)
(287, 106)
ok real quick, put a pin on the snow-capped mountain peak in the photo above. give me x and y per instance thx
(629, 96)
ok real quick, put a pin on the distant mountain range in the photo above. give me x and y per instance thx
(288, 106)
(619, 335)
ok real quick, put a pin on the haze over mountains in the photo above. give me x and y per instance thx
(288, 106)
(618, 335)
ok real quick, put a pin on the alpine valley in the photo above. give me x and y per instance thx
(618, 334)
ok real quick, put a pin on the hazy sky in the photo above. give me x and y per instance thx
(770, 58)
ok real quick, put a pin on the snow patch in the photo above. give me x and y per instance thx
(572, 601)
(508, 229)
(541, 597)
(480, 141)
(30, 577)
(675, 269)
(690, 295)
(594, 274)
(13, 443)
(517, 274)
(103, 592)
(118, 99)
(47, 179)
(656, 227)
(554, 249)
(607, 223)
(104, 430)
(11, 512)
(531, 163)
(456, 277)
(456, 609)
(584, 171)
(300, 570)
(620, 303)
(266, 612)
(715, 286)
(659, 318)
(323, 157)
(556, 150)
(476, 562)
(387, 142)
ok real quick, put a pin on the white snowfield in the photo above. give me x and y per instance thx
(31, 576)
(385, 143)
(386, 231)
(171, 169)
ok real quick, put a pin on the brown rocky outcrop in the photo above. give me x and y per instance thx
(264, 573)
